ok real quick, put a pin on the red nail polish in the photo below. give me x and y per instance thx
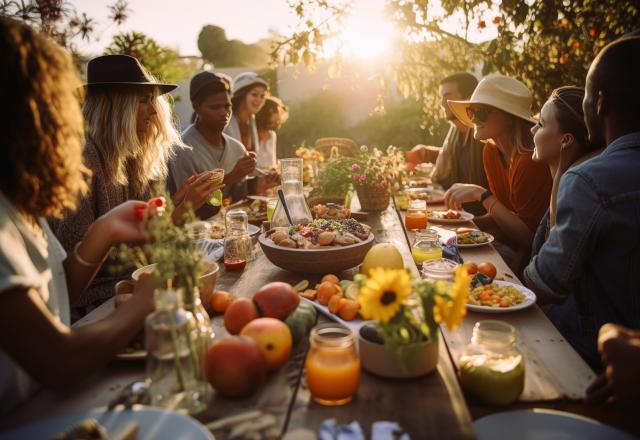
(159, 201)
(138, 212)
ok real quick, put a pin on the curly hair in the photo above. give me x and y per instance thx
(272, 104)
(41, 167)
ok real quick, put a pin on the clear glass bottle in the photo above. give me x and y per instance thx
(203, 337)
(492, 367)
(291, 174)
(332, 365)
(416, 217)
(426, 246)
(238, 247)
(438, 270)
(172, 363)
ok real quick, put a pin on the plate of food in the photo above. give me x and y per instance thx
(330, 211)
(449, 216)
(338, 300)
(322, 246)
(353, 324)
(430, 194)
(217, 231)
(500, 297)
(473, 238)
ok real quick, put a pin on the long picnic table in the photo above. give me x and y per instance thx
(429, 407)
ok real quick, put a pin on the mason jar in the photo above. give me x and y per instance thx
(492, 367)
(440, 269)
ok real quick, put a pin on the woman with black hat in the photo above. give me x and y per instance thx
(130, 138)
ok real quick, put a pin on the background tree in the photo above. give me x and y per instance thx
(222, 52)
(162, 62)
(60, 20)
(546, 44)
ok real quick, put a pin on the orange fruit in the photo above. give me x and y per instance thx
(349, 310)
(472, 268)
(331, 278)
(487, 269)
(220, 300)
(325, 290)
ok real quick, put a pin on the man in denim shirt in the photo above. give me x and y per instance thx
(590, 264)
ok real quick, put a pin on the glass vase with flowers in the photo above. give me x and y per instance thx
(402, 339)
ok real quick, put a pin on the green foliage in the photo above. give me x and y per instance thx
(334, 177)
(546, 44)
(162, 62)
(60, 20)
(221, 52)
(320, 116)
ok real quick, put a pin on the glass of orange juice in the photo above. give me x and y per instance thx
(332, 365)
(416, 217)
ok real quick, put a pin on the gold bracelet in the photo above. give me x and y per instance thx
(81, 260)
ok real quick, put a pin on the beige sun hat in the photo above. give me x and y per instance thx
(499, 91)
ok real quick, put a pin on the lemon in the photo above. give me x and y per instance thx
(382, 255)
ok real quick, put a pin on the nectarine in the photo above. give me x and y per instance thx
(238, 314)
(273, 338)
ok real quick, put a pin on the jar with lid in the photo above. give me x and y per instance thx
(438, 270)
(173, 362)
(238, 247)
(426, 246)
(416, 217)
(492, 367)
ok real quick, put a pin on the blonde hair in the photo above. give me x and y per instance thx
(521, 136)
(128, 159)
(41, 168)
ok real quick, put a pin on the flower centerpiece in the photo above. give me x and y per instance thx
(402, 340)
(376, 175)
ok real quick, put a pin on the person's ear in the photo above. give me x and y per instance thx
(566, 141)
(601, 104)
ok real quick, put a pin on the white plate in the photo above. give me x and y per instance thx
(529, 300)
(464, 218)
(475, 245)
(353, 325)
(154, 423)
(544, 424)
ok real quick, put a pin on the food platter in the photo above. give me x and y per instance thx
(529, 300)
(480, 234)
(430, 194)
(353, 325)
(440, 216)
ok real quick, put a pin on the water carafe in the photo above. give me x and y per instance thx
(291, 173)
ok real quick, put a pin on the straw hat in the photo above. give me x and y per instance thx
(501, 92)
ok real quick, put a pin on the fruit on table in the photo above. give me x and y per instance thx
(382, 255)
(471, 267)
(331, 278)
(220, 301)
(487, 269)
(349, 310)
(235, 366)
(276, 300)
(335, 303)
(301, 320)
(273, 338)
(325, 290)
(239, 313)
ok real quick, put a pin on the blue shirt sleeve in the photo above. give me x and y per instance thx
(556, 269)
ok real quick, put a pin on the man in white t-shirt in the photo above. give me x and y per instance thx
(209, 146)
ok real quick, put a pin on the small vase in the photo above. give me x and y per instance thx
(421, 358)
(373, 198)
(202, 339)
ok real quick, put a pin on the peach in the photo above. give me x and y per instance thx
(273, 338)
(276, 300)
(239, 313)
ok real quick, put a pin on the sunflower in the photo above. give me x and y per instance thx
(451, 303)
(383, 293)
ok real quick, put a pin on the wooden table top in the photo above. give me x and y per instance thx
(430, 407)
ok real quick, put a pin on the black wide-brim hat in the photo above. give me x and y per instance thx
(113, 70)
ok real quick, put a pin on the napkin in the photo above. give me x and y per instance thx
(388, 431)
(212, 249)
(330, 430)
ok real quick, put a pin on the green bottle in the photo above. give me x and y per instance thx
(348, 196)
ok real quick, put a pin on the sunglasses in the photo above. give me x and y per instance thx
(480, 114)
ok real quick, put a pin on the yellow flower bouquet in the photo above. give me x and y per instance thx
(407, 310)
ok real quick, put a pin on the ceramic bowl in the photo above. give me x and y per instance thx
(321, 261)
(379, 360)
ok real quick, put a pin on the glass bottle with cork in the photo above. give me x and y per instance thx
(238, 247)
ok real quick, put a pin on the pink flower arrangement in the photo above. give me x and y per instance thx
(372, 167)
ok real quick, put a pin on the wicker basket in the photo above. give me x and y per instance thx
(345, 146)
(373, 198)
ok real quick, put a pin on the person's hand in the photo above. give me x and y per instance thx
(125, 222)
(199, 189)
(620, 351)
(144, 287)
(245, 166)
(461, 193)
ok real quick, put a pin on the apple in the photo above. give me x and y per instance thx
(239, 313)
(276, 300)
(273, 338)
(235, 366)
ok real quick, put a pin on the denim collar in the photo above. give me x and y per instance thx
(625, 141)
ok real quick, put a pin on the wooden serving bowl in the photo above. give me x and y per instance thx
(321, 261)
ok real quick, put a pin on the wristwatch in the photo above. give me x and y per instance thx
(485, 195)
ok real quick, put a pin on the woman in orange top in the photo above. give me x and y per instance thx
(519, 188)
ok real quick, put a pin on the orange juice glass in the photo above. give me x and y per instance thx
(332, 365)
(416, 217)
